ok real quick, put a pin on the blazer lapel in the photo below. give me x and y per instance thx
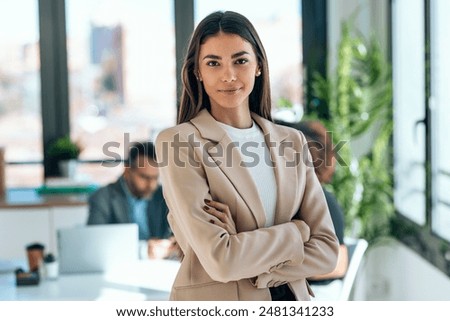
(223, 154)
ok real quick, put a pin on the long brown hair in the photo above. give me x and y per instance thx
(193, 96)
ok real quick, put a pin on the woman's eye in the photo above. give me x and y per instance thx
(241, 61)
(212, 63)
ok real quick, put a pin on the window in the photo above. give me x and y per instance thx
(409, 110)
(20, 98)
(440, 95)
(422, 116)
(121, 57)
(278, 24)
(121, 60)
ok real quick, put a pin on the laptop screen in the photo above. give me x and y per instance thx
(97, 248)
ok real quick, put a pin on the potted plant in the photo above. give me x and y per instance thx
(359, 98)
(65, 152)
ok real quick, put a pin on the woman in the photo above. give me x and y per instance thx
(250, 218)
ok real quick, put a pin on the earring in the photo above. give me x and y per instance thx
(258, 73)
(197, 76)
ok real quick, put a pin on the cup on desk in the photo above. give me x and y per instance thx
(35, 256)
(52, 270)
(51, 267)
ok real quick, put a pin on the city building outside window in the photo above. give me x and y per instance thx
(122, 77)
(20, 96)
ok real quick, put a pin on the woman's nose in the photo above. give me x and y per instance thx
(228, 74)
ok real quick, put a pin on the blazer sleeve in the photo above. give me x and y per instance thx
(225, 257)
(321, 250)
(99, 209)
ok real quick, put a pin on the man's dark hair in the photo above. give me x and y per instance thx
(320, 146)
(137, 149)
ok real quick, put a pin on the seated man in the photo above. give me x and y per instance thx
(136, 197)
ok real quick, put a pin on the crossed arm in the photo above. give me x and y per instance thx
(221, 216)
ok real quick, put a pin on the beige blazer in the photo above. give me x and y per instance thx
(197, 162)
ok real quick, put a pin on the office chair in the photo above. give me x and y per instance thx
(356, 249)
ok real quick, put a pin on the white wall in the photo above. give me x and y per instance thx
(22, 226)
(371, 18)
(393, 272)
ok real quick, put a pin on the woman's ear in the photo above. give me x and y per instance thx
(258, 71)
(198, 76)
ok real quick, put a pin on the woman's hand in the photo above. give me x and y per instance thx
(221, 215)
(164, 249)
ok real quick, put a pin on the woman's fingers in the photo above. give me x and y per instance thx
(219, 206)
(216, 213)
(222, 220)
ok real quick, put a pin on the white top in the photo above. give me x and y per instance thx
(256, 157)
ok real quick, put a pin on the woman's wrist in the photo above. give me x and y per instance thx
(304, 229)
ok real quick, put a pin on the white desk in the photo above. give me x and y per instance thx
(142, 280)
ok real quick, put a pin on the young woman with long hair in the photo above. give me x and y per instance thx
(244, 204)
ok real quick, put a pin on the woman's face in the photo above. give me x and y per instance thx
(227, 68)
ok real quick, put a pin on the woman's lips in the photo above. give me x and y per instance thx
(229, 91)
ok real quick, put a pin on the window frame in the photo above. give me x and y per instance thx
(422, 239)
(54, 76)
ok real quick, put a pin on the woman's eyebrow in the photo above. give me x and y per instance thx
(238, 54)
(212, 57)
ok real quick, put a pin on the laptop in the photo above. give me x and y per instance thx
(97, 248)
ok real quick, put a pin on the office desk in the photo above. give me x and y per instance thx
(142, 280)
(26, 198)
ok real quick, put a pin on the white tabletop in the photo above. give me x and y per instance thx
(141, 280)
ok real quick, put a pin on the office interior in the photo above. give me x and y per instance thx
(106, 73)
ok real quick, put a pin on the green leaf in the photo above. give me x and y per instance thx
(359, 97)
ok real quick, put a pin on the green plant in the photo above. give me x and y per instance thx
(283, 102)
(64, 149)
(359, 98)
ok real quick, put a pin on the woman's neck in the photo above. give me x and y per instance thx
(236, 117)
